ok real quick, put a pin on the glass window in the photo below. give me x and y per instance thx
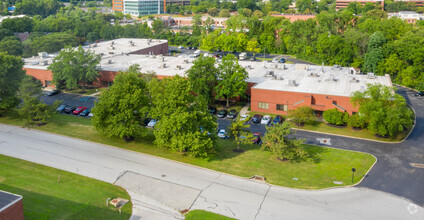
(281, 107)
(263, 105)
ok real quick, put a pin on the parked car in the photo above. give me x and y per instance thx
(189, 48)
(278, 119)
(52, 92)
(78, 110)
(252, 58)
(194, 48)
(282, 60)
(232, 114)
(419, 94)
(222, 134)
(61, 108)
(152, 123)
(257, 139)
(266, 120)
(180, 47)
(85, 112)
(69, 109)
(256, 118)
(222, 113)
(243, 117)
(212, 110)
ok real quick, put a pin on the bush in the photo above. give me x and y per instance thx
(302, 115)
(336, 117)
(357, 121)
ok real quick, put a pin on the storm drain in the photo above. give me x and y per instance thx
(417, 165)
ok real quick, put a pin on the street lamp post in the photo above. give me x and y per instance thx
(353, 173)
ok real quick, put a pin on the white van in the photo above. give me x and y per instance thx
(197, 53)
(243, 56)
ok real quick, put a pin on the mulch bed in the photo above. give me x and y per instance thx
(336, 126)
(356, 129)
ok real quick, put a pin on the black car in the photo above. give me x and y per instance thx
(256, 118)
(278, 119)
(85, 112)
(252, 59)
(232, 114)
(189, 48)
(419, 94)
(69, 109)
(61, 108)
(212, 110)
(222, 113)
(194, 48)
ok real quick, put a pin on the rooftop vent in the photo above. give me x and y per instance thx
(313, 75)
(269, 73)
(371, 76)
(331, 78)
(45, 62)
(178, 67)
(186, 61)
(278, 77)
(111, 47)
(291, 82)
(354, 80)
(112, 42)
(162, 65)
(109, 61)
(42, 54)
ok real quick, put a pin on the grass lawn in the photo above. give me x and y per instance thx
(80, 92)
(204, 215)
(75, 197)
(326, 165)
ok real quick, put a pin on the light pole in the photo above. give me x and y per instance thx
(353, 173)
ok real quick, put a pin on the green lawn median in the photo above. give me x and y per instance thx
(204, 215)
(327, 167)
(73, 197)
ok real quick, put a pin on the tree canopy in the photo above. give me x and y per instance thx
(11, 74)
(203, 77)
(74, 66)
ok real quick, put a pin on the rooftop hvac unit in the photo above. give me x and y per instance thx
(278, 77)
(162, 65)
(111, 47)
(269, 73)
(95, 45)
(42, 54)
(178, 67)
(109, 61)
(185, 61)
(371, 75)
(292, 82)
(112, 42)
(35, 63)
(276, 66)
(45, 62)
(149, 40)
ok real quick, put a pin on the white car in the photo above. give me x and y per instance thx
(275, 60)
(243, 117)
(180, 47)
(90, 115)
(222, 134)
(152, 123)
(266, 120)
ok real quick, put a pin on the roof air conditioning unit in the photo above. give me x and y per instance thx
(185, 61)
(269, 73)
(292, 82)
(178, 67)
(370, 75)
(162, 65)
(45, 62)
(109, 61)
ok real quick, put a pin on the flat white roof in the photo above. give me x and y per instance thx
(123, 45)
(313, 79)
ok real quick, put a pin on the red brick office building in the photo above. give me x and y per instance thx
(11, 206)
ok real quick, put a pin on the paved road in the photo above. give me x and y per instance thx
(159, 187)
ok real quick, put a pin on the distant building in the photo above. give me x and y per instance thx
(295, 17)
(409, 16)
(145, 7)
(344, 3)
(272, 87)
(11, 206)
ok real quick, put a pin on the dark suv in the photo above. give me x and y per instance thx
(69, 109)
(212, 110)
(222, 113)
(278, 119)
(419, 94)
(232, 114)
(256, 118)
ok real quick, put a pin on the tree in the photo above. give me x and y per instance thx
(252, 46)
(385, 112)
(276, 140)
(336, 117)
(257, 14)
(224, 13)
(52, 43)
(203, 77)
(24, 24)
(73, 66)
(122, 109)
(302, 115)
(11, 74)
(12, 46)
(32, 109)
(357, 121)
(240, 132)
(184, 124)
(158, 26)
(232, 77)
(213, 12)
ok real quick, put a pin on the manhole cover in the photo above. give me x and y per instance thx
(417, 165)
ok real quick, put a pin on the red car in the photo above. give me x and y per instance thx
(79, 110)
(257, 139)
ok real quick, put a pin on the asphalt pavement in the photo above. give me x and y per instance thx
(392, 173)
(160, 188)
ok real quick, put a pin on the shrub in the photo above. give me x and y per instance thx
(357, 121)
(302, 115)
(336, 117)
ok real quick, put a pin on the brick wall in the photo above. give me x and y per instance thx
(42, 75)
(14, 212)
(293, 18)
(294, 100)
(156, 50)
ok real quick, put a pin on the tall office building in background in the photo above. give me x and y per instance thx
(145, 7)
